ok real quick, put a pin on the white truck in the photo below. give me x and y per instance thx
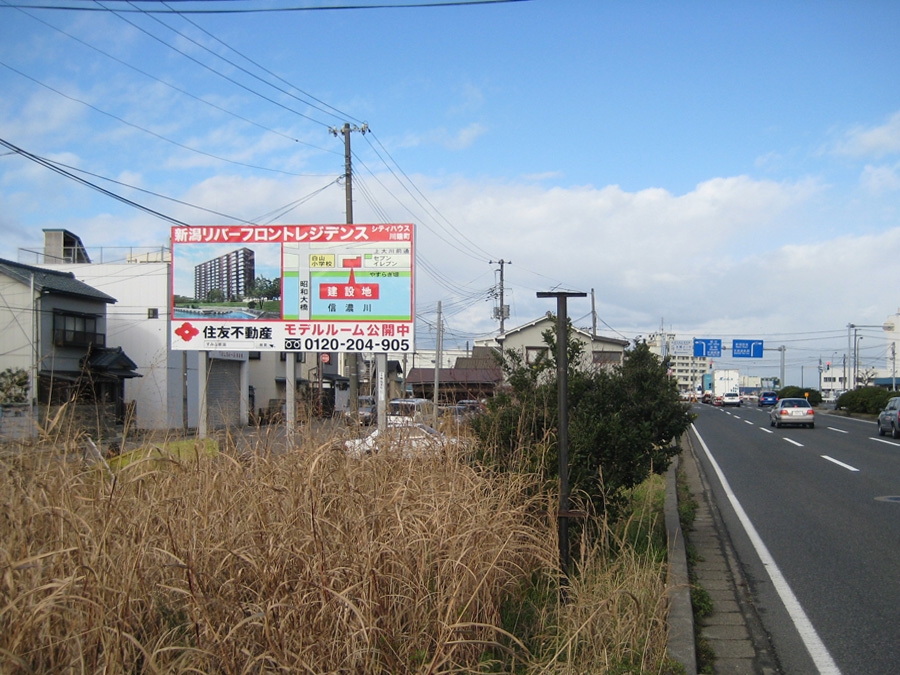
(726, 381)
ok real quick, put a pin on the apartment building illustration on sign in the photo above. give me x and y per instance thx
(335, 288)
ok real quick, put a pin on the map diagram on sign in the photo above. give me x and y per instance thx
(347, 281)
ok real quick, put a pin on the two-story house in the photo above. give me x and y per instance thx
(54, 330)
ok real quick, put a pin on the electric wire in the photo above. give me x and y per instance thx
(93, 186)
(145, 130)
(200, 63)
(335, 111)
(416, 5)
(174, 87)
(438, 215)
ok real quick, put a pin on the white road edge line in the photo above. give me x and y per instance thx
(846, 466)
(814, 645)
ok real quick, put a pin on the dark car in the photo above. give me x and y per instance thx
(793, 411)
(889, 418)
(767, 398)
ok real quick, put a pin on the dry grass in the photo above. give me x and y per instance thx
(303, 562)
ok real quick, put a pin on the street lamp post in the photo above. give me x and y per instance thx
(562, 380)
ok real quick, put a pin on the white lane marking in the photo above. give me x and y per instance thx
(793, 442)
(846, 466)
(886, 442)
(840, 431)
(748, 422)
(768, 431)
(814, 645)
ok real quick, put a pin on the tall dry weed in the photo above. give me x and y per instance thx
(304, 562)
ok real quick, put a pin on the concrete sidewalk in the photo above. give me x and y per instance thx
(733, 631)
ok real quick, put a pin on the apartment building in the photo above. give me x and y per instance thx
(233, 274)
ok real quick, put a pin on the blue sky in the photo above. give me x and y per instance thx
(726, 170)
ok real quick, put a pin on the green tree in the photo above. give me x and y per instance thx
(814, 396)
(624, 423)
(266, 289)
(215, 295)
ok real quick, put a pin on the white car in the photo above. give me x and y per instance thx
(731, 398)
(795, 411)
(410, 439)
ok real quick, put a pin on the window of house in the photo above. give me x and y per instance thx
(76, 330)
(604, 358)
(153, 313)
(534, 354)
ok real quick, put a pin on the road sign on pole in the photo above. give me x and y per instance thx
(747, 349)
(707, 348)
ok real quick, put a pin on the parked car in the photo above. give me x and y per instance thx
(403, 437)
(731, 398)
(366, 414)
(793, 411)
(767, 398)
(418, 409)
(889, 418)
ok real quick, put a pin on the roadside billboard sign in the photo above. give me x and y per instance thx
(682, 347)
(707, 348)
(302, 288)
(747, 349)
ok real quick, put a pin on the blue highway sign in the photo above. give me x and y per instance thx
(747, 349)
(706, 348)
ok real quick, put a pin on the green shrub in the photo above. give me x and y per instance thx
(866, 400)
(813, 395)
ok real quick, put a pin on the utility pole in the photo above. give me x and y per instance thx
(782, 350)
(503, 312)
(893, 366)
(348, 192)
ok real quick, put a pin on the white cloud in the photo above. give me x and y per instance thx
(459, 139)
(875, 141)
(880, 179)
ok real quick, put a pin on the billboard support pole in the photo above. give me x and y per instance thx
(290, 396)
(202, 373)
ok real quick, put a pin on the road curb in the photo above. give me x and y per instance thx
(680, 645)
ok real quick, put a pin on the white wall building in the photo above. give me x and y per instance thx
(687, 369)
(139, 323)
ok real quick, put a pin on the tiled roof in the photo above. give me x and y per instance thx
(455, 376)
(52, 281)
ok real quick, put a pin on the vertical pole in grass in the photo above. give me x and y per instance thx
(562, 381)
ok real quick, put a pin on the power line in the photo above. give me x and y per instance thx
(118, 14)
(258, 10)
(147, 131)
(165, 83)
(335, 112)
(68, 174)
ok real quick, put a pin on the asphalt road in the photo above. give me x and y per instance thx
(814, 515)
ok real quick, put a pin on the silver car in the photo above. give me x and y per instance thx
(796, 411)
(889, 418)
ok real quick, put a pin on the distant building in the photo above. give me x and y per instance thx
(233, 274)
(528, 342)
(687, 369)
